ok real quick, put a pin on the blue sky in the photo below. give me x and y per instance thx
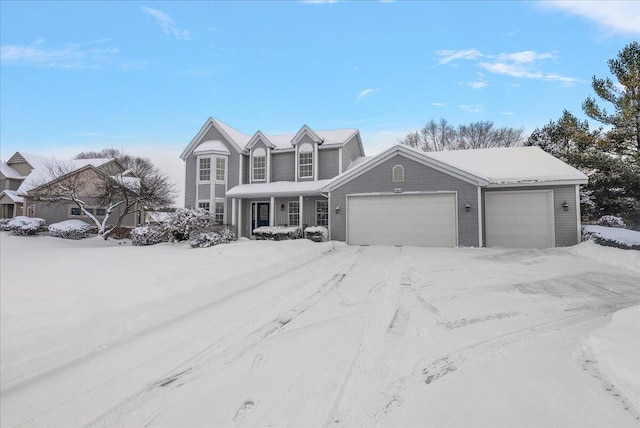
(145, 76)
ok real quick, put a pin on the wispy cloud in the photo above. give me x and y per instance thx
(366, 93)
(320, 1)
(476, 108)
(524, 64)
(617, 16)
(450, 55)
(437, 104)
(167, 24)
(72, 56)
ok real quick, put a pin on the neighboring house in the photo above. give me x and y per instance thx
(25, 177)
(503, 197)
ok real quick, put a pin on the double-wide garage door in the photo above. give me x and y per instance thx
(521, 219)
(424, 220)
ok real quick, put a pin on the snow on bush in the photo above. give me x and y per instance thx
(612, 237)
(222, 235)
(611, 221)
(70, 229)
(180, 224)
(3, 223)
(277, 233)
(24, 226)
(148, 235)
(316, 233)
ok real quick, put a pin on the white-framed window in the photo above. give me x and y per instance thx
(204, 206)
(204, 169)
(305, 161)
(75, 212)
(96, 211)
(221, 169)
(259, 164)
(219, 212)
(322, 213)
(398, 174)
(101, 212)
(294, 213)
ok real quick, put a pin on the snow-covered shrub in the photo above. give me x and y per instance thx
(148, 235)
(180, 224)
(4, 222)
(277, 233)
(25, 226)
(70, 229)
(611, 221)
(316, 233)
(221, 235)
(612, 237)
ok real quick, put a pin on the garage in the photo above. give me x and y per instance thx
(423, 220)
(519, 219)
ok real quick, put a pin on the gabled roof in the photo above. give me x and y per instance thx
(259, 136)
(13, 195)
(507, 166)
(242, 142)
(41, 174)
(9, 172)
(409, 153)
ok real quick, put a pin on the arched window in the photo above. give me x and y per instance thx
(259, 164)
(305, 161)
(398, 174)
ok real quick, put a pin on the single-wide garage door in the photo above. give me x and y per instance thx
(424, 220)
(521, 219)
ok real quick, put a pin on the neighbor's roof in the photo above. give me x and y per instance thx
(9, 172)
(41, 174)
(13, 195)
(240, 140)
(512, 166)
(278, 189)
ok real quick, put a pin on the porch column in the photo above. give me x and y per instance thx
(272, 211)
(300, 215)
(239, 218)
(233, 211)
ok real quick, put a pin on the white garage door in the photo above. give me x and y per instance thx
(423, 220)
(519, 219)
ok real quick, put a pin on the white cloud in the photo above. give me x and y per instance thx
(477, 85)
(476, 108)
(618, 16)
(520, 71)
(526, 56)
(72, 56)
(450, 55)
(437, 104)
(167, 24)
(366, 93)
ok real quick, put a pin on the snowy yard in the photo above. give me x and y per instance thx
(293, 333)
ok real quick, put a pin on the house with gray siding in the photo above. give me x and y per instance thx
(504, 197)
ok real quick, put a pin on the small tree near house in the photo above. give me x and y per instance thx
(121, 192)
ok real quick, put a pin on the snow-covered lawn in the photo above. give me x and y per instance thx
(295, 333)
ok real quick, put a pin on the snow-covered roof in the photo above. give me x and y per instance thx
(278, 189)
(511, 165)
(9, 172)
(212, 146)
(41, 174)
(241, 141)
(13, 195)
(358, 161)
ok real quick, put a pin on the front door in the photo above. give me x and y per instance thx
(259, 214)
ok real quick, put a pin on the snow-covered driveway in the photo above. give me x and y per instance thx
(359, 336)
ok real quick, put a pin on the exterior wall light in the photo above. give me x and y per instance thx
(565, 206)
(338, 208)
(467, 207)
(282, 207)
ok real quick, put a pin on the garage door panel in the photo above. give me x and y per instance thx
(417, 220)
(521, 219)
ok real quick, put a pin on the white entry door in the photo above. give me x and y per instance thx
(423, 220)
(519, 219)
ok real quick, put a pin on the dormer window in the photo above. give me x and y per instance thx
(398, 174)
(259, 158)
(305, 161)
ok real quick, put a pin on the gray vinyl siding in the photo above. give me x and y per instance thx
(9, 184)
(283, 166)
(350, 152)
(328, 163)
(245, 170)
(306, 139)
(565, 222)
(221, 190)
(418, 178)
(190, 182)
